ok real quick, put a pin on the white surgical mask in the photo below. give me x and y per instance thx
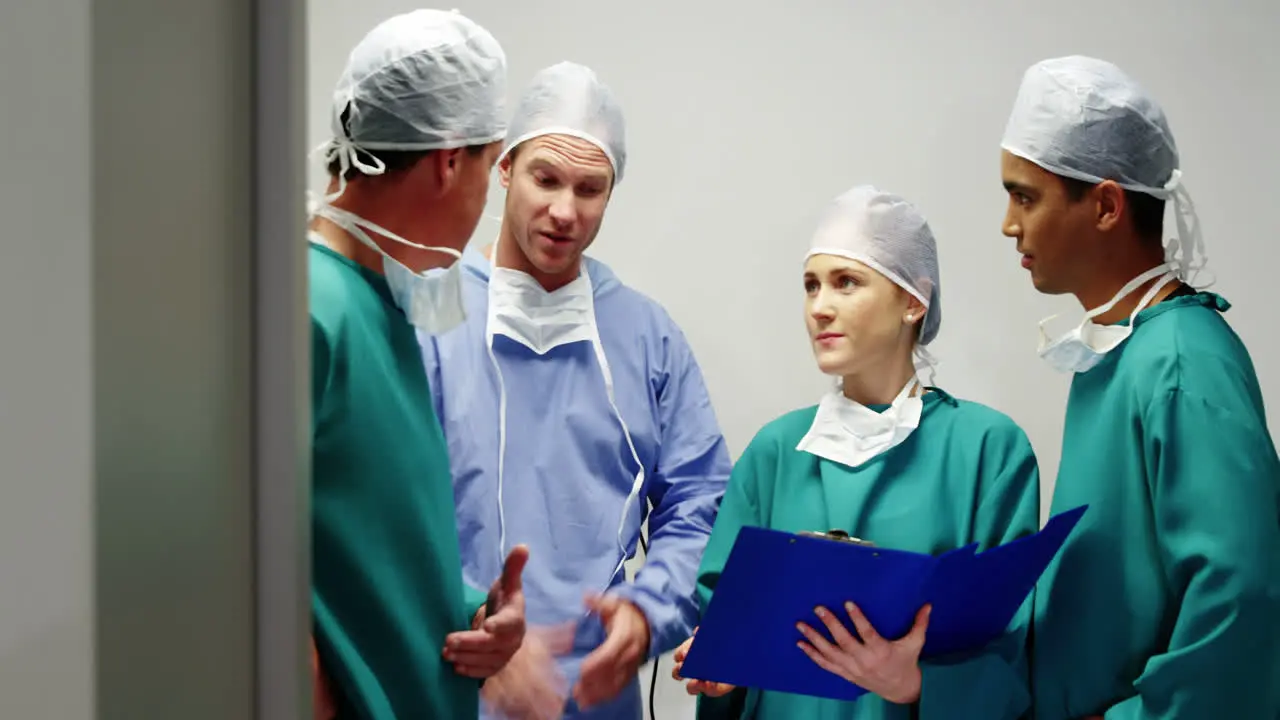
(431, 301)
(851, 434)
(1083, 347)
(522, 310)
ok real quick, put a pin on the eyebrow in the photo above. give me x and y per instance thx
(1013, 186)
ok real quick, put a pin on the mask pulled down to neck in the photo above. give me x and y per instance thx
(852, 434)
(431, 301)
(1084, 346)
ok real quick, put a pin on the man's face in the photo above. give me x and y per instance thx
(1054, 233)
(557, 190)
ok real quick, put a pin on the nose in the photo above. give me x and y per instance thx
(562, 210)
(1012, 226)
(820, 308)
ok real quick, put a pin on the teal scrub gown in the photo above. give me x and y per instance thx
(1165, 602)
(386, 572)
(966, 474)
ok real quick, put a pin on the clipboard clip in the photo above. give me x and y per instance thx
(838, 536)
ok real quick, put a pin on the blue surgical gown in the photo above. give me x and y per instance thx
(568, 469)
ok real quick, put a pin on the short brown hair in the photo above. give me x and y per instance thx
(1146, 211)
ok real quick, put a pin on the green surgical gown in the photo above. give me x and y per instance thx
(1165, 603)
(967, 474)
(386, 574)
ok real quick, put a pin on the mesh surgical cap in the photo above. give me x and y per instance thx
(884, 232)
(423, 80)
(569, 99)
(1083, 118)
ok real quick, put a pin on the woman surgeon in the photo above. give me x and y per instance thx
(884, 458)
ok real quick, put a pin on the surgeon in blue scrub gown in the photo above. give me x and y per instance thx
(571, 402)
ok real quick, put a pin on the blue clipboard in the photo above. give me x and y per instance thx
(774, 579)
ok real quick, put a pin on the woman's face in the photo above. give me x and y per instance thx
(857, 318)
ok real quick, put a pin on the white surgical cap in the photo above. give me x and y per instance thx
(1083, 118)
(884, 232)
(423, 80)
(569, 99)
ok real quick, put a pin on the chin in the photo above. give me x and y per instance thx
(1046, 287)
(554, 264)
(837, 366)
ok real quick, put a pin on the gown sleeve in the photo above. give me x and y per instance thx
(688, 482)
(1215, 484)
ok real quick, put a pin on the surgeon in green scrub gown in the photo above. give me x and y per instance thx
(416, 115)
(1165, 602)
(886, 459)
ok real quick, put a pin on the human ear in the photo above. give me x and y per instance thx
(446, 166)
(1109, 203)
(504, 171)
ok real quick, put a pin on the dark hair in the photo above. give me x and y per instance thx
(1146, 211)
(394, 160)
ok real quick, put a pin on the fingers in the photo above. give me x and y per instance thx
(820, 658)
(861, 624)
(710, 689)
(837, 629)
(530, 688)
(475, 641)
(513, 568)
(815, 639)
(506, 624)
(914, 640)
(481, 653)
(611, 653)
(682, 652)
(479, 665)
(922, 619)
(477, 658)
(603, 672)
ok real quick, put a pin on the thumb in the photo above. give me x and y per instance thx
(513, 568)
(922, 618)
(921, 626)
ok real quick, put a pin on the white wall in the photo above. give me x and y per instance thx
(744, 123)
(46, 427)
